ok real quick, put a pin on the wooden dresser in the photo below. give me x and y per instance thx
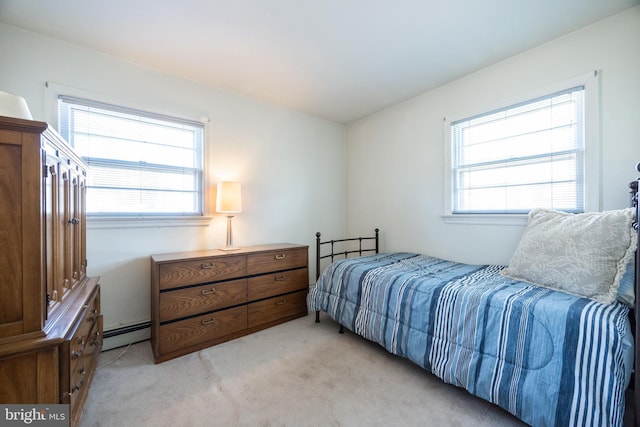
(203, 298)
(50, 322)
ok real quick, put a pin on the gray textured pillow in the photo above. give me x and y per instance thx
(581, 254)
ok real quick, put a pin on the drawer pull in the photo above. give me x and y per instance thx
(208, 322)
(77, 387)
(282, 302)
(280, 278)
(281, 256)
(96, 339)
(208, 266)
(208, 292)
(76, 354)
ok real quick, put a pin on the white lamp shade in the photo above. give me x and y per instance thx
(229, 197)
(14, 106)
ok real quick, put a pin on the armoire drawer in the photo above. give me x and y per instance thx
(280, 307)
(83, 332)
(186, 302)
(85, 366)
(203, 270)
(269, 285)
(196, 330)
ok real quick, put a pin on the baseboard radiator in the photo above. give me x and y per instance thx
(118, 337)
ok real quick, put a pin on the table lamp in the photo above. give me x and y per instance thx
(229, 201)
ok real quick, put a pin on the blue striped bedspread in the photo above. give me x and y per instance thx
(549, 358)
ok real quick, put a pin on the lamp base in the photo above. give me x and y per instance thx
(229, 245)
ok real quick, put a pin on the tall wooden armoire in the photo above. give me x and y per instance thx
(50, 321)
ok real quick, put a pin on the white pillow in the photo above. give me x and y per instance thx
(581, 254)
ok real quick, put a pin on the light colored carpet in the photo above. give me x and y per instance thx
(296, 374)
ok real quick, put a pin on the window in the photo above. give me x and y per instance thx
(142, 164)
(527, 155)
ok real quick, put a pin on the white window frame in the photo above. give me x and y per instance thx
(53, 91)
(592, 150)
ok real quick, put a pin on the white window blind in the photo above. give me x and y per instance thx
(521, 157)
(141, 164)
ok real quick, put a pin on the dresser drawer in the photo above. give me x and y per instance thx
(85, 327)
(277, 308)
(269, 285)
(85, 365)
(203, 270)
(199, 299)
(94, 346)
(78, 382)
(276, 260)
(184, 333)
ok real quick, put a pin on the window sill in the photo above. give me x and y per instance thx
(147, 222)
(486, 219)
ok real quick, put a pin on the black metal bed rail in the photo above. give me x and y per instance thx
(634, 314)
(345, 252)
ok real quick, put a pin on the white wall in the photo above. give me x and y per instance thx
(393, 167)
(276, 153)
(395, 157)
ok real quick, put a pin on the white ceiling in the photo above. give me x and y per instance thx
(337, 59)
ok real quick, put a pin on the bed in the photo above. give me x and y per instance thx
(552, 354)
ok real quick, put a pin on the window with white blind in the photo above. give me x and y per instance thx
(527, 155)
(141, 164)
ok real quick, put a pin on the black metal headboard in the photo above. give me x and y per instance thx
(636, 325)
(344, 250)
